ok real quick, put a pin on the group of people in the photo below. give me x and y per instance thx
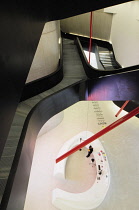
(90, 150)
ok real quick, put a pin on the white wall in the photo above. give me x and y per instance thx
(125, 33)
(80, 25)
(47, 54)
(51, 123)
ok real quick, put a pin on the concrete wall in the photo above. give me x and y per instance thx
(80, 25)
(47, 54)
(125, 33)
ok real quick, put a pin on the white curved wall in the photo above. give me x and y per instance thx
(125, 33)
(47, 54)
(51, 123)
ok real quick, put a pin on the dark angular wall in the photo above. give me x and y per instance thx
(21, 24)
(19, 37)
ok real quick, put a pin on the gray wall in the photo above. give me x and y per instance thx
(80, 25)
(47, 55)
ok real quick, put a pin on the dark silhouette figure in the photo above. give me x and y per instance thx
(80, 148)
(89, 151)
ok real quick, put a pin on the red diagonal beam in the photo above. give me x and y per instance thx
(122, 107)
(100, 133)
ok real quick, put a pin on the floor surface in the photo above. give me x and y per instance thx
(121, 146)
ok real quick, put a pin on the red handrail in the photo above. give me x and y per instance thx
(122, 107)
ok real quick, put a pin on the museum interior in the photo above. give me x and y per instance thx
(69, 82)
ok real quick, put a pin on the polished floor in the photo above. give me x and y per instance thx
(121, 147)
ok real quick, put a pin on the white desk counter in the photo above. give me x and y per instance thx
(94, 196)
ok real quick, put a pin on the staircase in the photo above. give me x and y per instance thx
(107, 59)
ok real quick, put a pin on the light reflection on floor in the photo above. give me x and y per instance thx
(93, 61)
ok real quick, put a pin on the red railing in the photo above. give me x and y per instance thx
(100, 133)
(122, 107)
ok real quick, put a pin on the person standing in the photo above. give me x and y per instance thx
(89, 151)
